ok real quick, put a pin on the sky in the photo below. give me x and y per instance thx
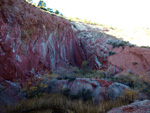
(122, 13)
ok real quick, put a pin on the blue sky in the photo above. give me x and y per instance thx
(113, 12)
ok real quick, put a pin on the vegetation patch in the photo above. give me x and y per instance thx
(56, 103)
(134, 63)
(118, 43)
(111, 53)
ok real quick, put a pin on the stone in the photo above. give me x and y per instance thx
(116, 90)
(100, 89)
(136, 107)
(9, 93)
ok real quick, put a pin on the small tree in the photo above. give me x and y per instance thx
(57, 12)
(42, 4)
(50, 10)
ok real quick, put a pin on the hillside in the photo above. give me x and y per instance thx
(49, 64)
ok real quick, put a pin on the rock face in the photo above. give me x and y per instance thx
(96, 52)
(136, 107)
(9, 93)
(32, 41)
(100, 89)
(132, 59)
(94, 43)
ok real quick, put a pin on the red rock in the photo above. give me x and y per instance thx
(103, 83)
(128, 109)
(136, 107)
(131, 59)
(96, 52)
(34, 40)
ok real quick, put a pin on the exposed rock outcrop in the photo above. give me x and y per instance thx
(9, 93)
(33, 41)
(135, 60)
(136, 107)
(100, 89)
(125, 59)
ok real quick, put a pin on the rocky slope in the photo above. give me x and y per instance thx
(97, 46)
(32, 40)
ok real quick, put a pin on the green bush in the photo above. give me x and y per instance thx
(72, 78)
(75, 70)
(128, 80)
(111, 53)
(83, 94)
(145, 47)
(118, 43)
(134, 63)
(84, 67)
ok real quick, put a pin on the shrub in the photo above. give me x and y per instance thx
(144, 81)
(134, 63)
(128, 80)
(145, 47)
(141, 83)
(83, 94)
(75, 70)
(35, 90)
(111, 53)
(118, 43)
(72, 78)
(35, 87)
(127, 98)
(84, 67)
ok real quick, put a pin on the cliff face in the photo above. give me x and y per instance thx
(33, 41)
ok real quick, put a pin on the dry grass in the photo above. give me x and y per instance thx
(53, 103)
(60, 104)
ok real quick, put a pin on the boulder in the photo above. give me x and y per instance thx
(100, 89)
(9, 93)
(136, 107)
(116, 90)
